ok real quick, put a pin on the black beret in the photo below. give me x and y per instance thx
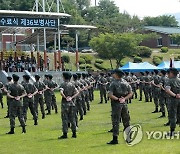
(75, 76)
(102, 74)
(15, 77)
(50, 76)
(127, 73)
(118, 72)
(79, 75)
(147, 72)
(142, 73)
(156, 71)
(37, 77)
(67, 75)
(83, 75)
(9, 78)
(163, 72)
(26, 77)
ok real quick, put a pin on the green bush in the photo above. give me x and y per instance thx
(164, 49)
(137, 59)
(157, 60)
(87, 58)
(99, 66)
(177, 58)
(85, 66)
(143, 51)
(66, 58)
(99, 61)
(82, 61)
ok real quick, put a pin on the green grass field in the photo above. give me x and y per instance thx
(92, 133)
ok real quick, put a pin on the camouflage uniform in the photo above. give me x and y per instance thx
(54, 104)
(29, 102)
(91, 90)
(156, 90)
(102, 88)
(16, 107)
(147, 88)
(68, 109)
(174, 104)
(128, 79)
(46, 95)
(1, 94)
(38, 98)
(7, 85)
(134, 86)
(119, 88)
(141, 87)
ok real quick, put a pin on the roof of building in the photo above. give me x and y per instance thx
(163, 30)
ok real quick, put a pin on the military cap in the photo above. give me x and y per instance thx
(127, 73)
(46, 76)
(50, 76)
(83, 75)
(26, 77)
(142, 73)
(15, 77)
(156, 71)
(102, 74)
(119, 72)
(147, 72)
(75, 76)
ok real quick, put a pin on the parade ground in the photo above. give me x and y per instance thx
(92, 133)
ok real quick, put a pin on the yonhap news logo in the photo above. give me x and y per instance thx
(133, 135)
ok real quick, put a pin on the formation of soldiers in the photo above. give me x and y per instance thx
(77, 91)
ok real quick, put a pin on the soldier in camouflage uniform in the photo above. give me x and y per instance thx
(128, 78)
(9, 79)
(16, 92)
(53, 87)
(109, 80)
(91, 89)
(156, 90)
(141, 85)
(38, 98)
(173, 89)
(1, 94)
(147, 87)
(46, 95)
(102, 83)
(68, 110)
(119, 92)
(82, 93)
(28, 100)
(134, 85)
(78, 99)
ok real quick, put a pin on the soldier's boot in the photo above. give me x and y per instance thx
(74, 135)
(171, 133)
(167, 124)
(56, 111)
(49, 112)
(64, 136)
(43, 116)
(23, 130)
(106, 101)
(81, 118)
(2, 105)
(69, 125)
(147, 100)
(11, 131)
(6, 116)
(110, 131)
(114, 141)
(100, 102)
(140, 99)
(163, 115)
(160, 110)
(84, 112)
(35, 122)
(155, 111)
(52, 107)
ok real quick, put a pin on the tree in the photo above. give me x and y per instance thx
(176, 38)
(164, 20)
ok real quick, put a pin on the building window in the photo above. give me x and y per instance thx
(159, 42)
(173, 43)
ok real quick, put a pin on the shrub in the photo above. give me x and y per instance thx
(177, 58)
(164, 49)
(85, 66)
(82, 61)
(66, 58)
(143, 51)
(137, 59)
(157, 60)
(87, 58)
(99, 66)
(99, 61)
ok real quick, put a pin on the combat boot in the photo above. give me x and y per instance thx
(74, 135)
(23, 130)
(49, 112)
(56, 111)
(140, 99)
(110, 131)
(114, 141)
(43, 116)
(84, 112)
(35, 122)
(163, 115)
(11, 131)
(64, 136)
(155, 111)
(81, 118)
